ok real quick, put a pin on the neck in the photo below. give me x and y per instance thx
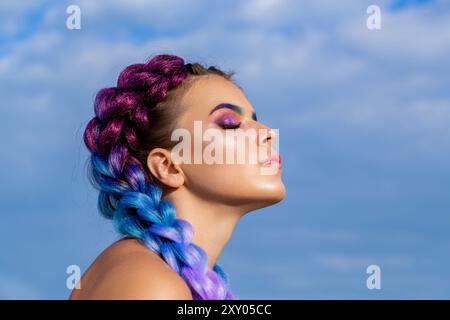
(212, 222)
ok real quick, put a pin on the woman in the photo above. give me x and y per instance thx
(176, 216)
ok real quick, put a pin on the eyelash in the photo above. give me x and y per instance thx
(225, 126)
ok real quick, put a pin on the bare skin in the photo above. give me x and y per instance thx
(212, 197)
(128, 270)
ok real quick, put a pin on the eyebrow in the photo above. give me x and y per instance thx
(235, 108)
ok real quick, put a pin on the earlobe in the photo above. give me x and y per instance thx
(164, 169)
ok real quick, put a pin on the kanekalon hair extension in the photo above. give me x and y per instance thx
(130, 119)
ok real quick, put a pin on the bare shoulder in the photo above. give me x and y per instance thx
(129, 270)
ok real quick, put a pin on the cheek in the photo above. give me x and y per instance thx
(220, 179)
(247, 179)
(244, 178)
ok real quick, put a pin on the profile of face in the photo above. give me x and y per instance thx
(216, 104)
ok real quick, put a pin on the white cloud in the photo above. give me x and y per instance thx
(13, 13)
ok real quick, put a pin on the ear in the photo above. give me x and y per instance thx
(164, 169)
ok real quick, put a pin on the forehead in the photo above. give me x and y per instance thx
(206, 92)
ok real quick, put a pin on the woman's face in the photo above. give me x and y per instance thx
(226, 139)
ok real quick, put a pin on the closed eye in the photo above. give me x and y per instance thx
(228, 121)
(230, 126)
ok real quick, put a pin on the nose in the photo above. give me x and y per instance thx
(267, 135)
(272, 134)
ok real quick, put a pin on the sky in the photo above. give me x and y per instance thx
(363, 118)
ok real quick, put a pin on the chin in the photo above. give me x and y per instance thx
(276, 195)
(265, 197)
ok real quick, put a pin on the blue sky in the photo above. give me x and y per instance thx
(363, 118)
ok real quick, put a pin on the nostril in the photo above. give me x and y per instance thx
(267, 139)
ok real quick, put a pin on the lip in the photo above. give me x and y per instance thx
(275, 159)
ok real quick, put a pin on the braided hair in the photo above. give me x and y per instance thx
(130, 119)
